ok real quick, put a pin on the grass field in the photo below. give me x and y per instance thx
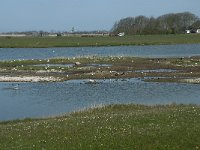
(35, 42)
(111, 127)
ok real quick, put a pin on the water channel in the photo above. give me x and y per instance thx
(182, 50)
(33, 100)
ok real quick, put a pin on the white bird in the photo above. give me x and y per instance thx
(91, 81)
(16, 87)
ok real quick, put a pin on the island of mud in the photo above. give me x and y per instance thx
(186, 70)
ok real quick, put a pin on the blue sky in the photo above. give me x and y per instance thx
(62, 15)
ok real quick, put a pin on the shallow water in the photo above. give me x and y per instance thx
(54, 65)
(50, 99)
(157, 70)
(180, 50)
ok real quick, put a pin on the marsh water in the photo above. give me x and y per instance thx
(33, 100)
(140, 51)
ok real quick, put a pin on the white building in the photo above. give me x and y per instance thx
(187, 31)
(52, 35)
(198, 30)
(121, 34)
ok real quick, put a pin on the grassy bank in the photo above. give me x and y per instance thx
(76, 41)
(111, 127)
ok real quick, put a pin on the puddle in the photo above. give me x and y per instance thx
(156, 70)
(72, 65)
(99, 65)
(54, 65)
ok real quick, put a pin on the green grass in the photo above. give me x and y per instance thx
(35, 42)
(111, 127)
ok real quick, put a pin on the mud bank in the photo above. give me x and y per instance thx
(195, 80)
(58, 69)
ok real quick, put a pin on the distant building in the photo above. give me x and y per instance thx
(187, 31)
(192, 31)
(121, 34)
(52, 35)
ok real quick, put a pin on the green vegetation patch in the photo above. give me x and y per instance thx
(109, 127)
(77, 41)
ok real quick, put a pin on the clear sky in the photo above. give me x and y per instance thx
(62, 15)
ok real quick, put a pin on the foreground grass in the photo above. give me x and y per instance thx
(110, 127)
(35, 42)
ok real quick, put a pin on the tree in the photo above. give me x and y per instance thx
(166, 24)
(195, 25)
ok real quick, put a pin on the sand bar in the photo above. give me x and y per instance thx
(28, 79)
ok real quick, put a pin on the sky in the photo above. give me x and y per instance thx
(83, 15)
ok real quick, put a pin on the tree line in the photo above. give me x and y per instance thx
(173, 23)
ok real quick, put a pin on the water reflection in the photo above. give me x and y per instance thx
(47, 99)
